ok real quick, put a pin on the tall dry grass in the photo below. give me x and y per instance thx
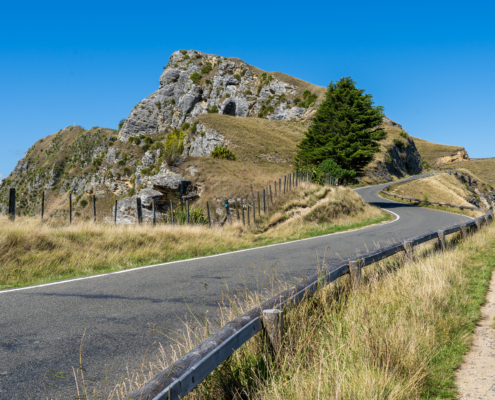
(32, 251)
(400, 335)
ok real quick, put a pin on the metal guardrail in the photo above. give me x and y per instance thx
(186, 373)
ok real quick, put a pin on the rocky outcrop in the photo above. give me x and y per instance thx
(482, 195)
(459, 156)
(401, 158)
(195, 83)
(388, 121)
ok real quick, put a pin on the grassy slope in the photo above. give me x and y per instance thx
(432, 151)
(484, 169)
(265, 151)
(32, 252)
(442, 188)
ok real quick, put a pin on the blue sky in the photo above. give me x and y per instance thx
(429, 63)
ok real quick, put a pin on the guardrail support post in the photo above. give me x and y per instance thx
(478, 223)
(441, 239)
(464, 231)
(273, 321)
(355, 269)
(487, 219)
(408, 246)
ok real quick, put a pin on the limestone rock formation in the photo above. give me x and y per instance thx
(194, 83)
(459, 156)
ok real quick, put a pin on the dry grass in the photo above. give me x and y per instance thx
(265, 150)
(431, 152)
(402, 334)
(484, 169)
(32, 251)
(442, 188)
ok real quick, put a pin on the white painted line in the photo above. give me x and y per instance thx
(191, 259)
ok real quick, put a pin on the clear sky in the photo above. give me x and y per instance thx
(430, 63)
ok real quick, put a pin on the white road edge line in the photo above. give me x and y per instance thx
(190, 259)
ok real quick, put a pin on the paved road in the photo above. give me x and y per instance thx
(41, 326)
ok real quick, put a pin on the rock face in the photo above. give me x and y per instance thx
(195, 83)
(483, 196)
(460, 156)
(400, 160)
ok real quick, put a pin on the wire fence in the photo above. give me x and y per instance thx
(180, 211)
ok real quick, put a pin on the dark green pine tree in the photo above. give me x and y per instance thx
(342, 129)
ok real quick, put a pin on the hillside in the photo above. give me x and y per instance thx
(203, 101)
(484, 169)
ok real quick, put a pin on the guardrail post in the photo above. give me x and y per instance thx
(408, 246)
(478, 223)
(273, 321)
(441, 239)
(355, 269)
(237, 209)
(487, 219)
(464, 231)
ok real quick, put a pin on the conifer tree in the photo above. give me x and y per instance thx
(342, 129)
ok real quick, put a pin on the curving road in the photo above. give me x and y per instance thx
(41, 326)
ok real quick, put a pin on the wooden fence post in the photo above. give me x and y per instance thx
(279, 187)
(273, 322)
(441, 238)
(247, 206)
(208, 211)
(12, 204)
(172, 212)
(243, 217)
(285, 180)
(237, 209)
(115, 213)
(464, 231)
(94, 208)
(408, 246)
(264, 202)
(259, 205)
(42, 204)
(187, 212)
(254, 208)
(271, 195)
(70, 208)
(139, 210)
(154, 212)
(356, 273)
(275, 189)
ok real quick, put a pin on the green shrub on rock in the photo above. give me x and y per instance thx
(213, 109)
(223, 153)
(196, 77)
(174, 147)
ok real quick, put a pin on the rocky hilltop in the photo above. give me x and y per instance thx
(203, 101)
(195, 83)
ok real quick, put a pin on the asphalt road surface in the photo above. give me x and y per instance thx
(41, 326)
